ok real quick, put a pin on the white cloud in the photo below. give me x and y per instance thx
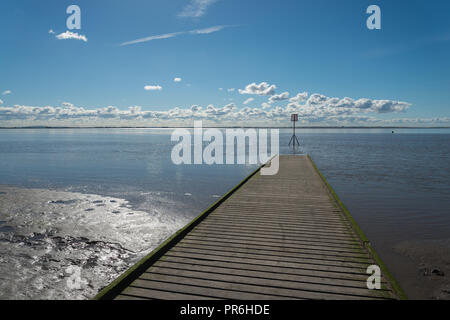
(195, 108)
(279, 97)
(317, 109)
(317, 99)
(151, 38)
(175, 34)
(1, 101)
(177, 80)
(248, 100)
(220, 89)
(71, 35)
(322, 107)
(51, 31)
(153, 88)
(231, 90)
(300, 97)
(196, 8)
(314, 109)
(265, 105)
(208, 30)
(6, 92)
(262, 89)
(67, 105)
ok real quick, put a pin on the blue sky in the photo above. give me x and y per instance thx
(345, 73)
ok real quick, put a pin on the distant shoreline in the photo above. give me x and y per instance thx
(221, 127)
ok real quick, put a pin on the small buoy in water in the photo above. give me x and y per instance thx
(392, 131)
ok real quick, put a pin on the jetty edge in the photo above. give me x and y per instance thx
(126, 278)
(394, 284)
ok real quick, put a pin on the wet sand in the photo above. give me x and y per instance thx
(68, 245)
(428, 276)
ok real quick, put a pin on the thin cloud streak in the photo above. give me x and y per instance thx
(175, 34)
(196, 8)
(151, 38)
(208, 30)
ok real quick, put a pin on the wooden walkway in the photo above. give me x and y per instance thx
(273, 237)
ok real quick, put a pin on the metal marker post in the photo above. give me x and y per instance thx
(294, 140)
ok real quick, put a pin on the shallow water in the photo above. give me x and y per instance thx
(99, 199)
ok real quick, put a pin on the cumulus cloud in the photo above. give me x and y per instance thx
(279, 97)
(313, 109)
(318, 99)
(67, 105)
(175, 34)
(6, 92)
(1, 101)
(350, 106)
(71, 35)
(300, 97)
(51, 31)
(265, 105)
(248, 100)
(153, 88)
(196, 8)
(316, 109)
(262, 89)
(177, 80)
(421, 121)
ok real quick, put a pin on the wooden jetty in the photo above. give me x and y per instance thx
(286, 236)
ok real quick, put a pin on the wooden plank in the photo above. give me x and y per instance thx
(267, 259)
(129, 297)
(276, 266)
(245, 229)
(291, 283)
(273, 240)
(259, 270)
(280, 228)
(164, 293)
(310, 225)
(271, 247)
(275, 230)
(273, 235)
(168, 286)
(305, 257)
(208, 287)
(293, 217)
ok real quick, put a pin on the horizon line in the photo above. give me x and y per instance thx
(225, 127)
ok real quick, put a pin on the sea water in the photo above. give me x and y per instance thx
(79, 206)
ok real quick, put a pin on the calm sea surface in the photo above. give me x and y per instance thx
(63, 190)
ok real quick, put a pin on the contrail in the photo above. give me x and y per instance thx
(175, 34)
